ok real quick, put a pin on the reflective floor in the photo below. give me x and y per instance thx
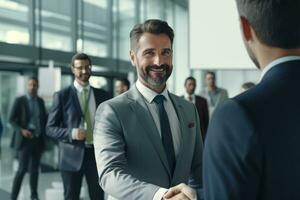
(50, 186)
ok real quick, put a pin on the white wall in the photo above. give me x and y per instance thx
(215, 38)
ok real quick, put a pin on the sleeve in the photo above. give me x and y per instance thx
(15, 115)
(54, 128)
(110, 151)
(232, 155)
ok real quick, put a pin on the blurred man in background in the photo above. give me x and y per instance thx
(214, 95)
(121, 85)
(28, 119)
(200, 103)
(71, 120)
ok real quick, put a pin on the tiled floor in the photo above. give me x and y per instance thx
(49, 188)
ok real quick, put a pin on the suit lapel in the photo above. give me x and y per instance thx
(146, 121)
(27, 110)
(75, 100)
(184, 137)
(96, 96)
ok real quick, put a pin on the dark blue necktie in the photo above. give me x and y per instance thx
(166, 133)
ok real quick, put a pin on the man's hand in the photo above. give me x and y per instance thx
(182, 192)
(26, 133)
(81, 134)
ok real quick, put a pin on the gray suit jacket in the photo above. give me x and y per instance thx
(130, 157)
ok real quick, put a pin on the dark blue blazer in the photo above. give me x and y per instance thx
(252, 148)
(64, 115)
(19, 119)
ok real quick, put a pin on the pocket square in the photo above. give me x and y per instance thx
(191, 125)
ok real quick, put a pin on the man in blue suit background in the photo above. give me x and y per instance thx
(70, 122)
(252, 147)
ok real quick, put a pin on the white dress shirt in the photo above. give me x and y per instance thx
(91, 104)
(186, 97)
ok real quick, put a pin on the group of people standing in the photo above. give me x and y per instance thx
(147, 143)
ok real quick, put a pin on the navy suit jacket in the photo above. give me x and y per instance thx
(19, 119)
(252, 148)
(65, 114)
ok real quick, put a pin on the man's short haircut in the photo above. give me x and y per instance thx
(125, 81)
(189, 78)
(34, 79)
(275, 22)
(211, 73)
(154, 26)
(80, 56)
(248, 85)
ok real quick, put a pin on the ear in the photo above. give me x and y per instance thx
(72, 69)
(246, 29)
(132, 57)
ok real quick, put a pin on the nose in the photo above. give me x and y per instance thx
(157, 60)
(84, 70)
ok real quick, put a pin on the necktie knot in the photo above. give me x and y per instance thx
(159, 99)
(85, 92)
(190, 98)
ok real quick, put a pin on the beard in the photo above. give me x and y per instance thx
(156, 75)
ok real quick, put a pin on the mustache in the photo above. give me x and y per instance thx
(162, 66)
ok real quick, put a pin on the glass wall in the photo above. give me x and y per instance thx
(95, 37)
(124, 19)
(55, 24)
(55, 30)
(14, 21)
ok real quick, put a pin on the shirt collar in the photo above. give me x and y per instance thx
(186, 96)
(30, 97)
(79, 87)
(149, 94)
(276, 62)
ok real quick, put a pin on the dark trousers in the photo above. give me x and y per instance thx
(29, 160)
(72, 180)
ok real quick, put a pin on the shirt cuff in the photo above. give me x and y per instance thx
(74, 133)
(160, 193)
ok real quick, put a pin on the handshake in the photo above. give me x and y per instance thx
(181, 191)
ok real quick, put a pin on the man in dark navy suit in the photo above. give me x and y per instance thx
(70, 122)
(28, 118)
(252, 147)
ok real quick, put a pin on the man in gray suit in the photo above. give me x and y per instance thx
(215, 95)
(147, 141)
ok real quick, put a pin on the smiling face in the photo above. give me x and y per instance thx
(152, 58)
(82, 71)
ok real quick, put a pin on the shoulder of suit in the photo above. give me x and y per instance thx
(200, 98)
(21, 98)
(98, 90)
(179, 99)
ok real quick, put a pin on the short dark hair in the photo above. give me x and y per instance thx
(80, 56)
(125, 81)
(211, 73)
(189, 78)
(275, 22)
(248, 85)
(154, 26)
(34, 79)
